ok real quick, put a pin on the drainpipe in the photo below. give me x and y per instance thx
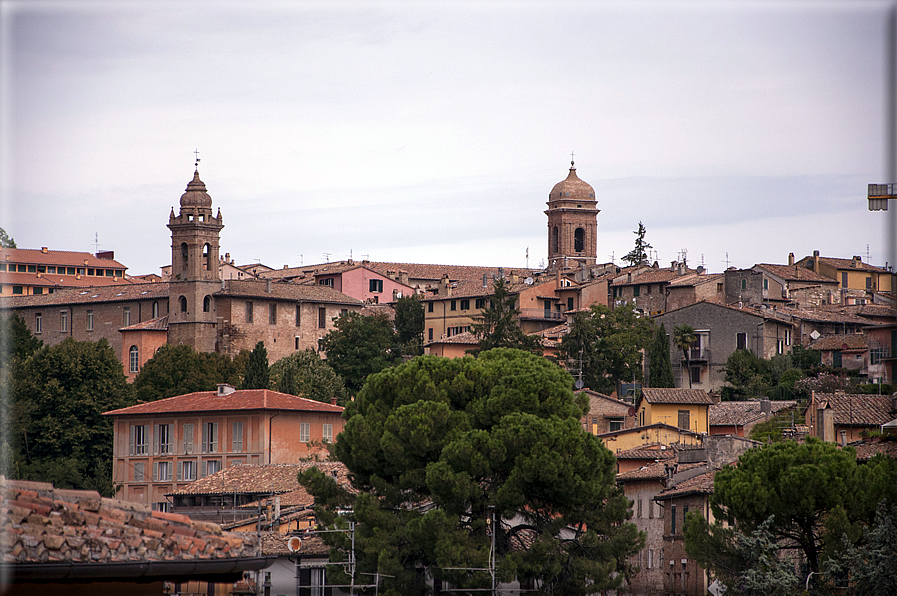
(269, 435)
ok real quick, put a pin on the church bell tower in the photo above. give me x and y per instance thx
(192, 318)
(572, 223)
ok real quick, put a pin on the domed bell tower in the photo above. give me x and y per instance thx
(192, 317)
(572, 223)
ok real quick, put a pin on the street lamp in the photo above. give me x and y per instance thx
(880, 194)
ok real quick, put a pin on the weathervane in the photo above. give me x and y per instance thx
(571, 159)
(196, 153)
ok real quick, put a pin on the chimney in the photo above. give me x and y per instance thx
(225, 389)
(815, 261)
(268, 286)
(791, 258)
(501, 271)
(44, 249)
(513, 278)
(484, 280)
(843, 434)
(332, 401)
(856, 262)
(765, 407)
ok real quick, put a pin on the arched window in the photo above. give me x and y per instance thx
(184, 255)
(579, 240)
(182, 302)
(207, 257)
(207, 304)
(134, 359)
(155, 309)
(555, 241)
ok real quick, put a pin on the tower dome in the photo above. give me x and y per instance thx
(572, 188)
(196, 195)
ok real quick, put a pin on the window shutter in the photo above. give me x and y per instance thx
(188, 438)
(155, 471)
(180, 471)
(156, 429)
(202, 473)
(131, 440)
(213, 440)
(205, 439)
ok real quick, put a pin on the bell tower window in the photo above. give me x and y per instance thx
(182, 302)
(555, 241)
(579, 240)
(184, 255)
(207, 257)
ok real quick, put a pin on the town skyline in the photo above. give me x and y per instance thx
(740, 133)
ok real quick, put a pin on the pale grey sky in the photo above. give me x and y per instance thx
(433, 132)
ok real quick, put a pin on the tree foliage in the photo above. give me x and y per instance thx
(6, 240)
(660, 369)
(684, 336)
(410, 324)
(813, 493)
(496, 326)
(467, 437)
(176, 370)
(305, 373)
(871, 563)
(256, 376)
(360, 346)
(639, 254)
(58, 432)
(609, 344)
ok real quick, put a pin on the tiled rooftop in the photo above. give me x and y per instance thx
(849, 264)
(739, 413)
(649, 451)
(264, 478)
(857, 409)
(415, 271)
(45, 528)
(676, 396)
(465, 338)
(866, 451)
(796, 273)
(695, 280)
(284, 291)
(701, 484)
(157, 324)
(851, 341)
(240, 400)
(121, 291)
(68, 258)
(651, 276)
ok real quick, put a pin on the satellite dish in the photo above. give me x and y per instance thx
(631, 411)
(579, 384)
(294, 544)
(528, 281)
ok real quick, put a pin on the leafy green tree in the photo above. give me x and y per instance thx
(257, 369)
(639, 254)
(176, 370)
(496, 326)
(660, 369)
(805, 359)
(801, 488)
(747, 374)
(360, 346)
(684, 336)
(6, 240)
(609, 344)
(410, 324)
(871, 565)
(305, 373)
(60, 433)
(468, 437)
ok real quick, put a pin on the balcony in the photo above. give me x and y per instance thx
(539, 313)
(697, 355)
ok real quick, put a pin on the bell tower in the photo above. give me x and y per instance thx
(192, 318)
(572, 223)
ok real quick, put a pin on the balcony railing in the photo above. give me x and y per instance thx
(698, 354)
(539, 313)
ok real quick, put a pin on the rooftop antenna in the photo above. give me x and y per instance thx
(196, 153)
(527, 257)
(326, 257)
(727, 260)
(612, 258)
(366, 257)
(96, 242)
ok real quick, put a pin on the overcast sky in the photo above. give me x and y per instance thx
(432, 132)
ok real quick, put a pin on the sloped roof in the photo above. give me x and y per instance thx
(465, 338)
(738, 413)
(240, 400)
(695, 280)
(848, 264)
(264, 478)
(157, 324)
(656, 470)
(866, 451)
(856, 409)
(700, 484)
(652, 276)
(249, 288)
(415, 271)
(850, 341)
(796, 273)
(29, 256)
(121, 291)
(55, 534)
(648, 451)
(675, 396)
(275, 544)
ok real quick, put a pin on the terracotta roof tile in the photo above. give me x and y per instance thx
(264, 478)
(121, 292)
(649, 451)
(465, 338)
(42, 525)
(796, 273)
(849, 264)
(738, 413)
(651, 276)
(68, 258)
(700, 484)
(866, 451)
(857, 409)
(696, 280)
(676, 396)
(851, 341)
(240, 400)
(823, 315)
(157, 324)
(285, 291)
